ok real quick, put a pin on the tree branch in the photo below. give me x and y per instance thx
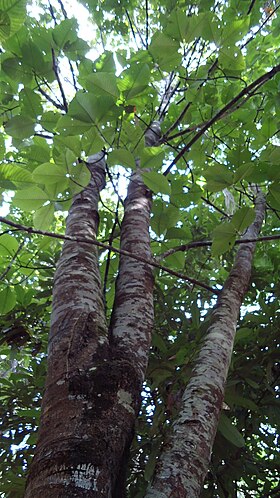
(246, 91)
(110, 248)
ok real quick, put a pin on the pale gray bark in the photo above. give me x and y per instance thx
(184, 461)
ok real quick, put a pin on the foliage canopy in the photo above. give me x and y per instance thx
(208, 70)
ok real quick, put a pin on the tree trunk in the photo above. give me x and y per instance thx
(184, 461)
(94, 380)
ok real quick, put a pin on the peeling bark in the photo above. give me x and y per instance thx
(184, 461)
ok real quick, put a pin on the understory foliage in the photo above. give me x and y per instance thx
(79, 78)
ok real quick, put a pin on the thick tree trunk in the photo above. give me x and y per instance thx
(184, 461)
(94, 379)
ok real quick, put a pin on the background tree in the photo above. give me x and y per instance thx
(208, 71)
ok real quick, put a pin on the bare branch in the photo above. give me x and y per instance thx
(110, 248)
(56, 72)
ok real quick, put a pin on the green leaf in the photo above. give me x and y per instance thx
(12, 173)
(244, 171)
(273, 197)
(103, 84)
(92, 141)
(156, 182)
(234, 399)
(68, 125)
(8, 245)
(178, 233)
(79, 177)
(65, 31)
(229, 431)
(31, 101)
(5, 25)
(31, 198)
(243, 218)
(12, 16)
(121, 157)
(134, 81)
(20, 127)
(7, 300)
(88, 108)
(164, 216)
(49, 173)
(43, 217)
(164, 49)
(218, 177)
(224, 237)
(151, 158)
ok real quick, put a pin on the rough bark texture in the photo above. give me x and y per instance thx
(184, 461)
(78, 331)
(94, 379)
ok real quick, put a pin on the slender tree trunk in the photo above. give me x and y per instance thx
(184, 461)
(94, 379)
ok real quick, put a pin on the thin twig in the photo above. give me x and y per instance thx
(55, 69)
(12, 260)
(208, 243)
(109, 247)
(147, 23)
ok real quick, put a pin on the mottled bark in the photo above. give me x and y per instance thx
(184, 461)
(132, 317)
(78, 331)
(94, 379)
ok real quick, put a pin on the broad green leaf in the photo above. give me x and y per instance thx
(164, 217)
(88, 108)
(79, 177)
(232, 61)
(224, 237)
(8, 245)
(218, 177)
(19, 176)
(7, 300)
(92, 141)
(229, 431)
(151, 158)
(121, 157)
(49, 173)
(68, 143)
(273, 197)
(178, 25)
(183, 234)
(244, 171)
(5, 25)
(31, 101)
(103, 84)
(49, 120)
(164, 50)
(234, 399)
(29, 199)
(243, 218)
(156, 182)
(67, 125)
(12, 16)
(20, 127)
(134, 81)
(32, 56)
(43, 217)
(65, 31)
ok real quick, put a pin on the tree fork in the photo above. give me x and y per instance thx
(95, 377)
